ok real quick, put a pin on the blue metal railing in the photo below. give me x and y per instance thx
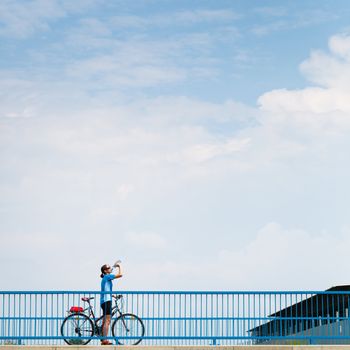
(189, 318)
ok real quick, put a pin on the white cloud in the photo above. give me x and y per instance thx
(130, 21)
(280, 258)
(321, 110)
(146, 240)
(141, 59)
(313, 100)
(275, 259)
(283, 19)
(330, 70)
(205, 152)
(187, 17)
(39, 242)
(206, 15)
(179, 173)
(131, 64)
(17, 98)
(340, 45)
(22, 19)
(166, 19)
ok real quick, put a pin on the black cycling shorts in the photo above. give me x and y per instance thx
(106, 308)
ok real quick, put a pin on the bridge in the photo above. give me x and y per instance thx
(172, 319)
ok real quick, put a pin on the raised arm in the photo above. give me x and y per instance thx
(119, 272)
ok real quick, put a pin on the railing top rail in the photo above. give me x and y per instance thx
(295, 292)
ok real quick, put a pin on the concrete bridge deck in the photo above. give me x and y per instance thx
(177, 347)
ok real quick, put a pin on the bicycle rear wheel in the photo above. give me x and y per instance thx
(77, 329)
(128, 329)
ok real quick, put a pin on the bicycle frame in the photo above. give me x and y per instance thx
(90, 309)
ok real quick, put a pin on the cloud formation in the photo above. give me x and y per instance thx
(107, 145)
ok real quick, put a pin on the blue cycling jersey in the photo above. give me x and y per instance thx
(106, 286)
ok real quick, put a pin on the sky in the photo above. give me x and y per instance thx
(203, 143)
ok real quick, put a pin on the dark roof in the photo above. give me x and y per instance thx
(319, 305)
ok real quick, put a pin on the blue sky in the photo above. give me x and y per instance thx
(258, 44)
(201, 142)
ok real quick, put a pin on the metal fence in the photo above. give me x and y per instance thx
(189, 318)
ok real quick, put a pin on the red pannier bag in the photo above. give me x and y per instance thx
(76, 309)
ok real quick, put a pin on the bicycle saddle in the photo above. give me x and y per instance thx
(87, 299)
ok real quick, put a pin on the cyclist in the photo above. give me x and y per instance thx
(106, 298)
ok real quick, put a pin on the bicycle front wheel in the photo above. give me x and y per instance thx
(77, 329)
(128, 329)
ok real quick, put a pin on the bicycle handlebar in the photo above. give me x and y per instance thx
(87, 299)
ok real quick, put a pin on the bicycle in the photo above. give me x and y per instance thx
(80, 326)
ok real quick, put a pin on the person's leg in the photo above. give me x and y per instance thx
(105, 326)
(106, 307)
